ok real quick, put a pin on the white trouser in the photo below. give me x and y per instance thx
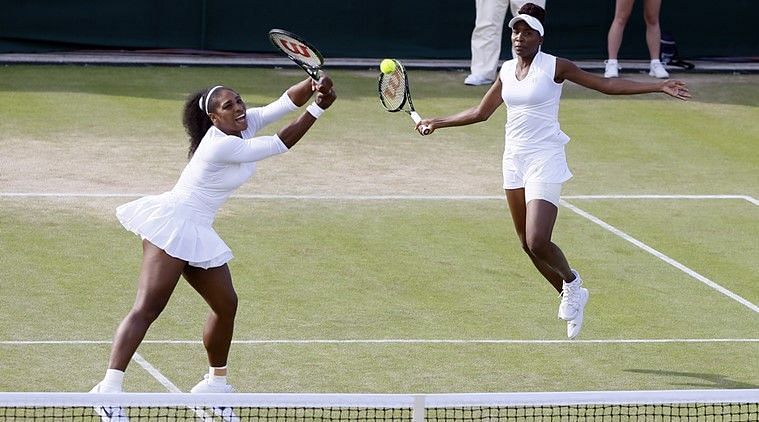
(487, 33)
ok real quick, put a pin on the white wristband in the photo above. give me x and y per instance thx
(314, 110)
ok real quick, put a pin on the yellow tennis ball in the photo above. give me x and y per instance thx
(387, 66)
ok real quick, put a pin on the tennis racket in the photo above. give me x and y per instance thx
(298, 50)
(395, 95)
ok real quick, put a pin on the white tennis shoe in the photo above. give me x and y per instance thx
(109, 414)
(657, 70)
(572, 306)
(476, 80)
(226, 414)
(205, 386)
(574, 326)
(573, 297)
(612, 69)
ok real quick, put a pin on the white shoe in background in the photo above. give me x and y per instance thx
(657, 70)
(475, 80)
(612, 69)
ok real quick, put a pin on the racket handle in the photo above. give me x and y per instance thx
(424, 130)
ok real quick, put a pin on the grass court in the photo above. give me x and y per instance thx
(371, 260)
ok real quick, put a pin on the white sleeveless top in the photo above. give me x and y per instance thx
(532, 122)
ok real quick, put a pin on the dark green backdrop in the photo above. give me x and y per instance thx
(391, 28)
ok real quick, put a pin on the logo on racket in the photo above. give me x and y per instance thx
(298, 49)
(394, 82)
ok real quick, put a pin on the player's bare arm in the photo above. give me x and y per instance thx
(325, 96)
(566, 70)
(301, 92)
(489, 104)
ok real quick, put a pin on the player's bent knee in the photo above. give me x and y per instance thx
(146, 314)
(538, 246)
(227, 309)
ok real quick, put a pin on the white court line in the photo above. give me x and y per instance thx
(260, 196)
(155, 373)
(744, 197)
(371, 197)
(396, 341)
(167, 383)
(582, 213)
(660, 255)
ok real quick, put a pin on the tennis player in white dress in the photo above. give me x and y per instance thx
(534, 162)
(176, 226)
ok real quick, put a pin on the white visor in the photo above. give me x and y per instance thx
(533, 22)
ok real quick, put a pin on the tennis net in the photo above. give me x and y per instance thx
(671, 405)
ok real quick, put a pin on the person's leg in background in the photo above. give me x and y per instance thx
(651, 10)
(486, 41)
(622, 12)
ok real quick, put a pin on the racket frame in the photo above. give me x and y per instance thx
(313, 71)
(424, 130)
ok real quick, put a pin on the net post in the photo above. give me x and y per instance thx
(418, 411)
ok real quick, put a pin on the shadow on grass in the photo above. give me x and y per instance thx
(707, 381)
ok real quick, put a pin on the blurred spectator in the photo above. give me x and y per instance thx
(622, 13)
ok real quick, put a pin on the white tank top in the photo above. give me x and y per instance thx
(532, 122)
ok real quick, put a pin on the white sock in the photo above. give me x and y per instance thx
(217, 375)
(113, 381)
(612, 61)
(655, 61)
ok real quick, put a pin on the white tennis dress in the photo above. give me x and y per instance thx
(534, 144)
(180, 220)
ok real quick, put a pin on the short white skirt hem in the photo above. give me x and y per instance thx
(176, 228)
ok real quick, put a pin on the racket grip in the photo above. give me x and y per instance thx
(424, 130)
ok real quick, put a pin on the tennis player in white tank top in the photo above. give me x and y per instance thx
(534, 162)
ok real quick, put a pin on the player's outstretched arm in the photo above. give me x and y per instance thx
(325, 96)
(301, 92)
(566, 70)
(490, 102)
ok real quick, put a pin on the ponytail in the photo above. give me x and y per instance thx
(196, 122)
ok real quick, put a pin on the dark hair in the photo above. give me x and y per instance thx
(196, 121)
(533, 10)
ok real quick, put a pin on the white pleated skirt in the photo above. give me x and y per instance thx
(176, 227)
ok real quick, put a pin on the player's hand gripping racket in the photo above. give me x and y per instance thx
(298, 50)
(395, 95)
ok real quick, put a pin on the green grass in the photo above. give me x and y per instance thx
(405, 269)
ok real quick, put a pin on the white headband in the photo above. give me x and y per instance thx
(201, 104)
(532, 21)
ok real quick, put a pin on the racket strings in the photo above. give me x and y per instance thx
(297, 50)
(392, 89)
